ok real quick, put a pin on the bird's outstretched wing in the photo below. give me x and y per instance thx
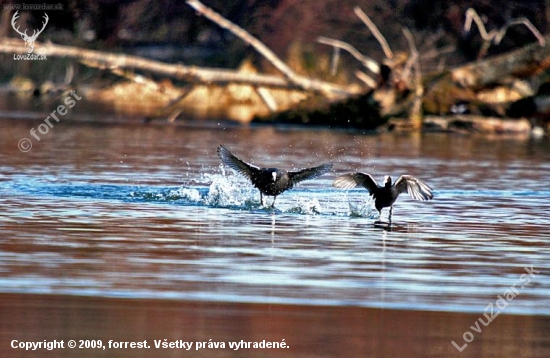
(352, 180)
(416, 188)
(308, 173)
(242, 167)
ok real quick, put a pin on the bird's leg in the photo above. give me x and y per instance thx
(261, 199)
(391, 210)
(379, 221)
(273, 203)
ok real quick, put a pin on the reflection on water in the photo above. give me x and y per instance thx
(309, 331)
(147, 212)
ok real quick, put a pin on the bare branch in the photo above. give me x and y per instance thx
(243, 35)
(369, 63)
(174, 115)
(173, 108)
(328, 89)
(334, 60)
(267, 98)
(415, 111)
(413, 60)
(377, 34)
(428, 55)
(366, 79)
(496, 36)
(471, 14)
(520, 21)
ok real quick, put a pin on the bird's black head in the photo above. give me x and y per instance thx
(274, 174)
(387, 181)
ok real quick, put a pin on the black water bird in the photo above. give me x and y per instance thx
(386, 195)
(270, 181)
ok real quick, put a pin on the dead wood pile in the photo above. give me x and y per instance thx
(392, 88)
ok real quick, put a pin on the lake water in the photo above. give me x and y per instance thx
(99, 217)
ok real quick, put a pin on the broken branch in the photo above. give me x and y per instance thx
(368, 62)
(326, 88)
(377, 34)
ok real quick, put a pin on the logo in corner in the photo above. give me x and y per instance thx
(29, 40)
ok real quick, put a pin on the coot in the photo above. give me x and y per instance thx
(386, 195)
(270, 181)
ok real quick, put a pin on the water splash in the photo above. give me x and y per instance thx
(188, 194)
(362, 209)
(306, 207)
(228, 191)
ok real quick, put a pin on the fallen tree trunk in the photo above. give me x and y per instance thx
(192, 74)
(524, 62)
(488, 82)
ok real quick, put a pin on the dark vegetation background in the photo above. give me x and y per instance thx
(169, 30)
